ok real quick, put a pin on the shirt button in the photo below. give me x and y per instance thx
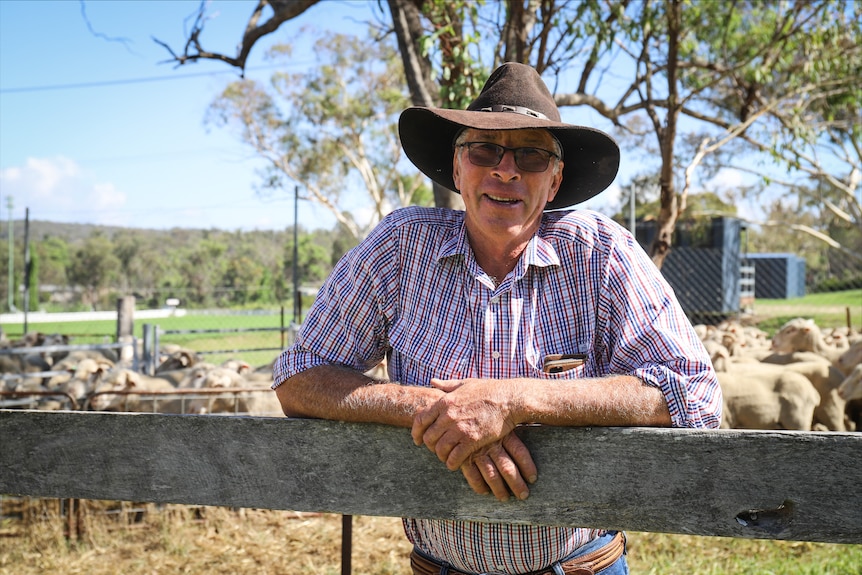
(495, 300)
(496, 355)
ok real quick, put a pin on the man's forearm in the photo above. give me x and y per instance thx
(617, 400)
(340, 393)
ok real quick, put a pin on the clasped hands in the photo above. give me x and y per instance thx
(471, 428)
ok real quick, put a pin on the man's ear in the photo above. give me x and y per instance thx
(556, 182)
(456, 168)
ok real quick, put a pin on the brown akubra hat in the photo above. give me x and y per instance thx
(513, 98)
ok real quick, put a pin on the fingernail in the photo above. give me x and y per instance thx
(532, 479)
(523, 495)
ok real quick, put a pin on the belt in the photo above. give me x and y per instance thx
(589, 564)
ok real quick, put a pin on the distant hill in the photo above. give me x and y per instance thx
(40, 229)
(73, 233)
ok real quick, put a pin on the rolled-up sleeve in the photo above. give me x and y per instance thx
(344, 326)
(649, 336)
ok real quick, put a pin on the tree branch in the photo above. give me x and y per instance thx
(283, 10)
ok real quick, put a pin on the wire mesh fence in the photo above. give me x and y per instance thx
(716, 278)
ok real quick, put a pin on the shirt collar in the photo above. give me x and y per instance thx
(539, 252)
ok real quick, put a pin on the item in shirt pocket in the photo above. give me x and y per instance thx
(560, 362)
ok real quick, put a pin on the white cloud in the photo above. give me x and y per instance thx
(726, 179)
(58, 189)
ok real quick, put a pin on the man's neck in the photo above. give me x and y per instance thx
(497, 258)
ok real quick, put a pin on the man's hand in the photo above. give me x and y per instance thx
(503, 468)
(471, 415)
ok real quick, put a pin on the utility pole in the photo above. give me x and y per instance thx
(297, 301)
(27, 267)
(10, 268)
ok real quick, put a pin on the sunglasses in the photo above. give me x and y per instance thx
(488, 155)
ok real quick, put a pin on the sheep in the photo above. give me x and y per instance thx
(851, 387)
(262, 401)
(127, 380)
(851, 392)
(801, 334)
(825, 378)
(769, 400)
(719, 354)
(187, 378)
(850, 358)
(79, 364)
(86, 377)
(237, 365)
(178, 359)
(794, 357)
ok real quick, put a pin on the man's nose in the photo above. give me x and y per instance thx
(507, 165)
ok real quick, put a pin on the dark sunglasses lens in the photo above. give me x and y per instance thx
(485, 154)
(532, 159)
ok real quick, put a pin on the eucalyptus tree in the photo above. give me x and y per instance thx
(330, 129)
(93, 267)
(678, 81)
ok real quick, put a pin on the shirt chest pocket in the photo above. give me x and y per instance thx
(423, 348)
(553, 353)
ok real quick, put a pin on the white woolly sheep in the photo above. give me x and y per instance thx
(768, 400)
(126, 380)
(801, 334)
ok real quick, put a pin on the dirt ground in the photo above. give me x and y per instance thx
(145, 540)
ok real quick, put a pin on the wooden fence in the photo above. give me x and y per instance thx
(750, 484)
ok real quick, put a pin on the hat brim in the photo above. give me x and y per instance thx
(591, 157)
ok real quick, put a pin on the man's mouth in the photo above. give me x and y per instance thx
(501, 200)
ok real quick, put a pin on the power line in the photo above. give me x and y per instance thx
(103, 83)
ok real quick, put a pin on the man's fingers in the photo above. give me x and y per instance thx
(474, 478)
(455, 456)
(521, 456)
(446, 385)
(421, 422)
(509, 472)
(492, 477)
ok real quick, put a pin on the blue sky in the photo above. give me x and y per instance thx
(98, 130)
(113, 136)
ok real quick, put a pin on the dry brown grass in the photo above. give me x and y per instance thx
(214, 540)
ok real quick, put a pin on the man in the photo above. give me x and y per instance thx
(501, 315)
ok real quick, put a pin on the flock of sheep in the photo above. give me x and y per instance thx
(803, 378)
(97, 380)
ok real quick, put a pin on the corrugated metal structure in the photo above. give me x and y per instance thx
(779, 275)
(704, 265)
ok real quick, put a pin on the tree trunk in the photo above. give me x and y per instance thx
(669, 211)
(417, 71)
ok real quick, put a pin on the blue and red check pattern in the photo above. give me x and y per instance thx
(413, 291)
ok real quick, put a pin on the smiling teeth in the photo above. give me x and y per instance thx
(495, 198)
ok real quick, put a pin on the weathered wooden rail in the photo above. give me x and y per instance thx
(749, 484)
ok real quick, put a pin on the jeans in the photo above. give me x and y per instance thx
(619, 567)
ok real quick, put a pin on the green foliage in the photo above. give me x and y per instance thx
(331, 129)
(204, 268)
(313, 264)
(94, 266)
(454, 47)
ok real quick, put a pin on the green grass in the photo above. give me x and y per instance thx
(664, 554)
(828, 310)
(103, 331)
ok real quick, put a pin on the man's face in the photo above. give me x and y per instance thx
(505, 200)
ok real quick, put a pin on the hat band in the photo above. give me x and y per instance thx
(516, 109)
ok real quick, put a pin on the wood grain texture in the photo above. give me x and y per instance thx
(751, 484)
